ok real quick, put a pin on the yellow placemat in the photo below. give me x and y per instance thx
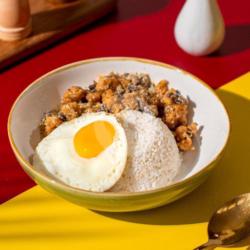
(39, 220)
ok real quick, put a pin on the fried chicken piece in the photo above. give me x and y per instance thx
(70, 110)
(161, 88)
(112, 101)
(145, 106)
(130, 101)
(99, 107)
(117, 107)
(175, 115)
(145, 80)
(94, 97)
(84, 107)
(176, 97)
(184, 135)
(49, 123)
(153, 99)
(107, 82)
(74, 94)
(108, 98)
(166, 100)
(185, 144)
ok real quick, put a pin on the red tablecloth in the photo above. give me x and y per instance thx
(140, 28)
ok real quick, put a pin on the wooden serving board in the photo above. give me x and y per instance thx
(51, 22)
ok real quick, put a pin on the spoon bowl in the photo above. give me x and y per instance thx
(230, 224)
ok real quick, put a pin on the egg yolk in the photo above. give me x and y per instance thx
(92, 139)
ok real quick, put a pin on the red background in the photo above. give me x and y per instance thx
(140, 28)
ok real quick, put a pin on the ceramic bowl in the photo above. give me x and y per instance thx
(44, 94)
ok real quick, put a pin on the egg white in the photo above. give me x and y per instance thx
(56, 153)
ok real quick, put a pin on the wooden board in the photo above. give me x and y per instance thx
(51, 22)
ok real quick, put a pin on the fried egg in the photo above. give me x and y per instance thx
(89, 152)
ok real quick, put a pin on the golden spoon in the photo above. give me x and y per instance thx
(230, 224)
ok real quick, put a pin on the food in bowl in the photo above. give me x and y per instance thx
(122, 134)
(44, 94)
(113, 93)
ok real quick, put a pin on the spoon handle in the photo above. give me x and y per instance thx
(211, 244)
(204, 246)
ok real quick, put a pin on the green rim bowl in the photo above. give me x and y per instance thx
(44, 94)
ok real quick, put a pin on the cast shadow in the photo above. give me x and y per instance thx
(190, 158)
(137, 8)
(35, 138)
(230, 177)
(244, 243)
(191, 109)
(237, 39)
(52, 19)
